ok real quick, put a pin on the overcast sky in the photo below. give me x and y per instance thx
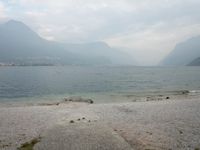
(147, 29)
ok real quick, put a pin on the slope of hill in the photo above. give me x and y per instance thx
(195, 62)
(183, 53)
(20, 45)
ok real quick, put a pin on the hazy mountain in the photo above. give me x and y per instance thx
(20, 45)
(184, 53)
(101, 49)
(195, 62)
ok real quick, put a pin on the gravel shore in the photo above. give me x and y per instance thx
(161, 125)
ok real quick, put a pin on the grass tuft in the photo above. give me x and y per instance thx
(29, 145)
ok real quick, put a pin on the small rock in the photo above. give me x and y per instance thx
(181, 132)
(185, 92)
(71, 121)
(83, 118)
(90, 101)
(167, 97)
(150, 133)
(78, 99)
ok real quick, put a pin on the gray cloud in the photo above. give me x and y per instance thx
(148, 29)
(2, 11)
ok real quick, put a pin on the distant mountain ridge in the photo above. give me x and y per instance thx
(195, 62)
(183, 53)
(21, 45)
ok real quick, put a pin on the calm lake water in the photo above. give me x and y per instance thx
(99, 83)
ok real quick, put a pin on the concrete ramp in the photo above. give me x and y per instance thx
(82, 136)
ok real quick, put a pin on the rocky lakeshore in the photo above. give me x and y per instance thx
(72, 125)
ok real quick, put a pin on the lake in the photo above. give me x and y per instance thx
(101, 83)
